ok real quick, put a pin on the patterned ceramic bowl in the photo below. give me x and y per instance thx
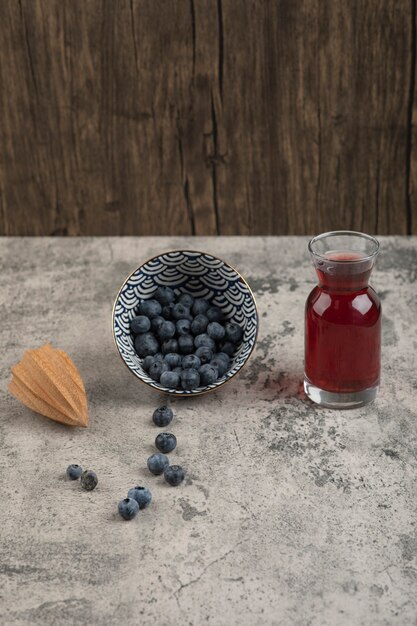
(203, 276)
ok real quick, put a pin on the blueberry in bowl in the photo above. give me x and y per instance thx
(185, 322)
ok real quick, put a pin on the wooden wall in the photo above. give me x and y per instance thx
(207, 116)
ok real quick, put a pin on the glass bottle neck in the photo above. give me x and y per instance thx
(344, 280)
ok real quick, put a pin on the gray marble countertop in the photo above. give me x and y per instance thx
(291, 514)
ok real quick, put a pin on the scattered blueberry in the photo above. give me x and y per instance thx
(128, 508)
(166, 330)
(146, 344)
(199, 324)
(208, 374)
(186, 299)
(214, 314)
(156, 323)
(204, 354)
(89, 480)
(74, 471)
(215, 331)
(220, 364)
(190, 379)
(170, 345)
(157, 368)
(183, 327)
(157, 463)
(162, 416)
(174, 475)
(186, 344)
(190, 360)
(164, 295)
(204, 340)
(179, 312)
(200, 306)
(142, 495)
(173, 359)
(234, 332)
(166, 442)
(171, 380)
(150, 308)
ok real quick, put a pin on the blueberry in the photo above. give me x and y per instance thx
(174, 475)
(234, 332)
(157, 463)
(89, 480)
(208, 374)
(166, 442)
(162, 416)
(200, 306)
(146, 344)
(224, 356)
(157, 368)
(150, 308)
(204, 340)
(147, 362)
(171, 380)
(186, 344)
(190, 360)
(142, 495)
(186, 299)
(171, 345)
(214, 314)
(190, 379)
(178, 370)
(204, 354)
(166, 330)
(128, 508)
(156, 323)
(74, 471)
(199, 324)
(179, 312)
(220, 364)
(167, 311)
(215, 331)
(227, 347)
(183, 327)
(140, 324)
(164, 295)
(158, 356)
(173, 359)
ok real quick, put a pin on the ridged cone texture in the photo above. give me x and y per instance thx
(47, 381)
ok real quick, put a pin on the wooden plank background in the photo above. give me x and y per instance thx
(207, 116)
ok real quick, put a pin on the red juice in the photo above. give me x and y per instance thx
(343, 326)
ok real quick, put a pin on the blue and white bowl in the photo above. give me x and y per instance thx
(203, 276)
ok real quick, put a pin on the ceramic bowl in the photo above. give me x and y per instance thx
(203, 276)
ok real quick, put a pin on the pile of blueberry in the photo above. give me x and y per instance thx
(184, 343)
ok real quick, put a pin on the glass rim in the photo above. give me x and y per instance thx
(336, 233)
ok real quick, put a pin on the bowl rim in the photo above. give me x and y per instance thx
(176, 393)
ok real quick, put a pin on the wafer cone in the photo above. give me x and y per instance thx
(47, 381)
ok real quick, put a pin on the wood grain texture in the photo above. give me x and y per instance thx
(207, 116)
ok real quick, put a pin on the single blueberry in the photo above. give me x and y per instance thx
(174, 475)
(214, 314)
(171, 380)
(140, 324)
(227, 347)
(128, 508)
(164, 295)
(89, 480)
(199, 324)
(186, 344)
(173, 359)
(74, 471)
(204, 354)
(166, 442)
(208, 374)
(167, 311)
(156, 323)
(162, 416)
(157, 368)
(146, 344)
(190, 360)
(157, 463)
(158, 356)
(142, 495)
(150, 308)
(220, 364)
(170, 345)
(204, 340)
(190, 379)
(234, 332)
(178, 370)
(215, 331)
(224, 356)
(179, 312)
(186, 299)
(166, 330)
(200, 306)
(147, 362)
(183, 327)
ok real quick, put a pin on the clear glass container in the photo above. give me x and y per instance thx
(342, 322)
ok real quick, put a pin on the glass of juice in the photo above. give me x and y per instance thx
(342, 322)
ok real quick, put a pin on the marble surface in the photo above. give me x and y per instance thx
(291, 514)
